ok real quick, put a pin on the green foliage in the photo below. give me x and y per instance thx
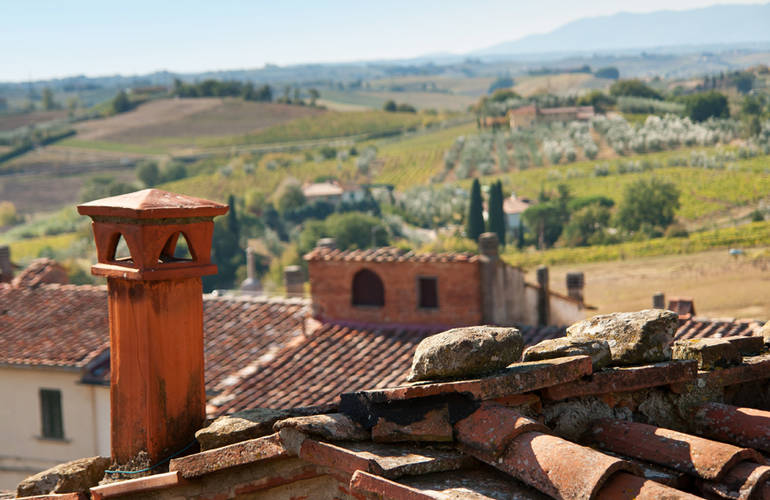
(103, 186)
(406, 108)
(496, 215)
(502, 82)
(350, 230)
(328, 152)
(701, 107)
(220, 88)
(475, 221)
(586, 226)
(635, 88)
(47, 100)
(226, 251)
(389, 106)
(749, 235)
(651, 202)
(291, 198)
(331, 124)
(610, 72)
(121, 103)
(646, 105)
(744, 81)
(148, 172)
(598, 99)
(503, 95)
(8, 215)
(546, 220)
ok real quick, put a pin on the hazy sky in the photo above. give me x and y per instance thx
(42, 39)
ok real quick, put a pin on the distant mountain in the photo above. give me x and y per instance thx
(716, 25)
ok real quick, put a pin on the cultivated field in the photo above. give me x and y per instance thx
(16, 120)
(46, 192)
(565, 83)
(181, 122)
(721, 285)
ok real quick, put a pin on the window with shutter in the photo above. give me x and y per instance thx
(51, 414)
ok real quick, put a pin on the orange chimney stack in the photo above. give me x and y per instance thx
(157, 388)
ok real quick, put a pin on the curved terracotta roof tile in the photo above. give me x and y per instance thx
(691, 454)
(731, 424)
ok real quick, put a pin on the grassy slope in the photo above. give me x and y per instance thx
(330, 125)
(721, 285)
(704, 193)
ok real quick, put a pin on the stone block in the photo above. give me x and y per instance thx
(634, 338)
(598, 349)
(333, 427)
(71, 477)
(709, 353)
(466, 352)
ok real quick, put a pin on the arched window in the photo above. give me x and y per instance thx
(368, 289)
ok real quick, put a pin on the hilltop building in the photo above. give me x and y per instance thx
(333, 192)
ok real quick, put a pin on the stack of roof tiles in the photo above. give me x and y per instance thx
(556, 428)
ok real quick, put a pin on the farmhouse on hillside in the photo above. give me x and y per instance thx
(528, 116)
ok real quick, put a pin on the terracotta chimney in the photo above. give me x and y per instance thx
(294, 280)
(659, 300)
(156, 316)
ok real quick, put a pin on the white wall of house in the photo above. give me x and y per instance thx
(85, 419)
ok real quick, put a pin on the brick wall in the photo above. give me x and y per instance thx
(459, 292)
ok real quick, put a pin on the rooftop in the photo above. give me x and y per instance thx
(685, 420)
(387, 254)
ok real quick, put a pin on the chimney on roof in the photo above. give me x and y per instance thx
(659, 300)
(251, 284)
(327, 243)
(543, 298)
(6, 268)
(490, 287)
(155, 301)
(294, 280)
(575, 284)
(489, 244)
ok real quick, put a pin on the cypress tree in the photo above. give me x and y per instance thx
(496, 215)
(475, 223)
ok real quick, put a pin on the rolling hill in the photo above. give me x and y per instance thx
(715, 25)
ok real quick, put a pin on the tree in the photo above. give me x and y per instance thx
(351, 230)
(651, 202)
(291, 198)
(586, 225)
(598, 99)
(475, 223)
(226, 252)
(314, 95)
(635, 88)
(546, 220)
(121, 103)
(389, 106)
(502, 82)
(48, 102)
(406, 108)
(147, 171)
(701, 107)
(496, 215)
(610, 72)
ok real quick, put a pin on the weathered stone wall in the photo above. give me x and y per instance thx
(459, 292)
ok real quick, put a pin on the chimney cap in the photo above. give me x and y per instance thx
(152, 204)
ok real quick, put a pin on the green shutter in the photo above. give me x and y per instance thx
(51, 414)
